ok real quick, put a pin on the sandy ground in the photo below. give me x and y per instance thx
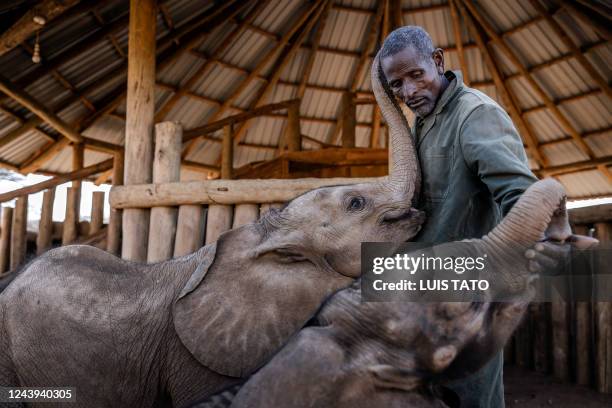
(532, 390)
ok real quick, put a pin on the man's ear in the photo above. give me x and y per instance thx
(438, 57)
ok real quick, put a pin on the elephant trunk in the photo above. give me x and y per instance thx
(404, 173)
(539, 207)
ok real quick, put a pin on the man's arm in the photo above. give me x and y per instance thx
(492, 148)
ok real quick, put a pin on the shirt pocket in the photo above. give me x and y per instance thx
(436, 163)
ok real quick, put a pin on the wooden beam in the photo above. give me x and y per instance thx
(293, 134)
(316, 42)
(258, 68)
(189, 36)
(220, 191)
(33, 20)
(55, 181)
(524, 128)
(5, 239)
(140, 108)
(575, 51)
(19, 232)
(348, 120)
(498, 40)
(457, 31)
(595, 20)
(42, 155)
(211, 127)
(210, 60)
(39, 109)
(263, 94)
(577, 166)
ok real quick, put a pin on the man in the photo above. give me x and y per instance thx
(474, 166)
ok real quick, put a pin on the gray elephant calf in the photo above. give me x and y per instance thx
(129, 334)
(371, 354)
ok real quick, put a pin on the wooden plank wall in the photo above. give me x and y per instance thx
(570, 340)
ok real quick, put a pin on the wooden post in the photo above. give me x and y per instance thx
(166, 168)
(227, 158)
(113, 239)
(139, 121)
(45, 226)
(540, 336)
(244, 214)
(560, 337)
(97, 212)
(348, 120)
(219, 217)
(603, 315)
(18, 232)
(189, 229)
(294, 134)
(583, 349)
(219, 220)
(5, 239)
(78, 160)
(70, 230)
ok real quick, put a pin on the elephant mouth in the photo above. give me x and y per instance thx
(403, 214)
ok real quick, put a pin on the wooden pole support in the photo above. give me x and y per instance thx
(18, 232)
(227, 159)
(294, 134)
(69, 232)
(245, 214)
(97, 212)
(189, 229)
(5, 239)
(218, 221)
(166, 168)
(55, 181)
(139, 121)
(45, 226)
(560, 338)
(603, 319)
(113, 239)
(349, 121)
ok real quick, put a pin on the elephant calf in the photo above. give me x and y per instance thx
(369, 354)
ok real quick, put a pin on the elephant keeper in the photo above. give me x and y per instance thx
(473, 164)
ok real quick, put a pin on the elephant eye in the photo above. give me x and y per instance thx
(356, 204)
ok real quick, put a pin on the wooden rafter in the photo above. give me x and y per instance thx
(369, 43)
(316, 42)
(504, 91)
(189, 37)
(498, 40)
(589, 17)
(280, 66)
(32, 21)
(458, 41)
(274, 52)
(210, 60)
(574, 50)
(39, 109)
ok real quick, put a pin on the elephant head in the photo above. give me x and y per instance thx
(263, 281)
(362, 354)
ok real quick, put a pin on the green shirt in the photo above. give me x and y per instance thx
(473, 164)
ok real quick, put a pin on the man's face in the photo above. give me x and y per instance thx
(415, 80)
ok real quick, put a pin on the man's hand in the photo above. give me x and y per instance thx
(548, 257)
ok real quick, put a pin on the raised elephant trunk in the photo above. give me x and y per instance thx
(404, 172)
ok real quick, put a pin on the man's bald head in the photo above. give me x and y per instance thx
(408, 36)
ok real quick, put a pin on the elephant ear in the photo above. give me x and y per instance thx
(239, 308)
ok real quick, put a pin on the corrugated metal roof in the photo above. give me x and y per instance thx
(346, 30)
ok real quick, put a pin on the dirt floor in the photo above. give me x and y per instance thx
(532, 390)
